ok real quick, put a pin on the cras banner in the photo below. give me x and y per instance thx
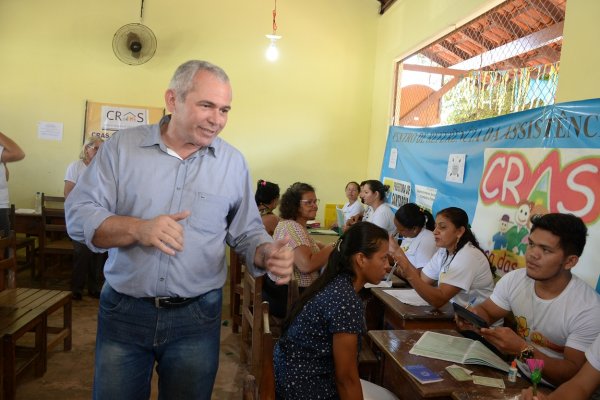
(502, 171)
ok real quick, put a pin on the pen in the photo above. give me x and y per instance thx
(389, 277)
(471, 302)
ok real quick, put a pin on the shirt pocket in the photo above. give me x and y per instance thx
(209, 213)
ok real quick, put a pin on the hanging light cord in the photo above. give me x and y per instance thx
(274, 17)
(142, 12)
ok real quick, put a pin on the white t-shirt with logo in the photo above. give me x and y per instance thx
(419, 249)
(571, 319)
(468, 270)
(383, 217)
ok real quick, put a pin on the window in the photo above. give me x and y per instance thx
(504, 61)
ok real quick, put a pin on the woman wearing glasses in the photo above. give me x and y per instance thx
(299, 204)
(86, 264)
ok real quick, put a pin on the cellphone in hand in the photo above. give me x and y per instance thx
(469, 316)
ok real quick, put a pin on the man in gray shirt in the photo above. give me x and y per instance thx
(164, 200)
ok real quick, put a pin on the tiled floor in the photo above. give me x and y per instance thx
(70, 374)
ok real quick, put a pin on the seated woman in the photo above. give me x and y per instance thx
(317, 355)
(267, 198)
(299, 204)
(372, 193)
(353, 207)
(415, 224)
(461, 269)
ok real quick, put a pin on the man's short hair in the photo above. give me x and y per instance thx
(183, 78)
(570, 230)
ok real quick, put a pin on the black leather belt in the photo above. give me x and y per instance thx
(169, 302)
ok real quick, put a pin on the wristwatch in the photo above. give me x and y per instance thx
(526, 353)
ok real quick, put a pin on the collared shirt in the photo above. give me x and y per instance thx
(133, 174)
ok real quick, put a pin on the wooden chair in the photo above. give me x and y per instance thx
(8, 262)
(292, 295)
(251, 300)
(267, 370)
(55, 240)
(250, 388)
(24, 242)
(260, 383)
(235, 290)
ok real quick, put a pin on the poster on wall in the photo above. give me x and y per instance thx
(104, 119)
(518, 165)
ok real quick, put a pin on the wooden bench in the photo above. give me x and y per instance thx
(16, 360)
(24, 310)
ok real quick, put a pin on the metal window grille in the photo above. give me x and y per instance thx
(504, 61)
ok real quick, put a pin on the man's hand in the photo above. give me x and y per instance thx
(163, 232)
(505, 339)
(279, 261)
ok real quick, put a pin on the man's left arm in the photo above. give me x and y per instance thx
(555, 371)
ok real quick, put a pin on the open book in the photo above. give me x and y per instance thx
(457, 349)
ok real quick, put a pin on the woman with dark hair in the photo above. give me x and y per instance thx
(299, 204)
(317, 354)
(415, 224)
(372, 193)
(267, 198)
(461, 269)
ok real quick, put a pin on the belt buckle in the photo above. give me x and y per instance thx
(157, 301)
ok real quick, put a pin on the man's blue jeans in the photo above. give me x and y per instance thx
(133, 334)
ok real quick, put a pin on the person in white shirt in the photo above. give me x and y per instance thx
(87, 265)
(353, 208)
(415, 225)
(9, 152)
(460, 268)
(372, 193)
(556, 312)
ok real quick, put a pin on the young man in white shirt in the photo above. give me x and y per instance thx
(556, 312)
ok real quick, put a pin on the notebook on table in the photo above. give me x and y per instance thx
(457, 349)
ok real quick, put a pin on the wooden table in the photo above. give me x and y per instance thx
(394, 347)
(323, 238)
(397, 315)
(30, 224)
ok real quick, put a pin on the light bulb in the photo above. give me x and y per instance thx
(272, 52)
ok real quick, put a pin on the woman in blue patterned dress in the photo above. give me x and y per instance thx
(317, 354)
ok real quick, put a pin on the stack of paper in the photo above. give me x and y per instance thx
(407, 296)
(387, 284)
